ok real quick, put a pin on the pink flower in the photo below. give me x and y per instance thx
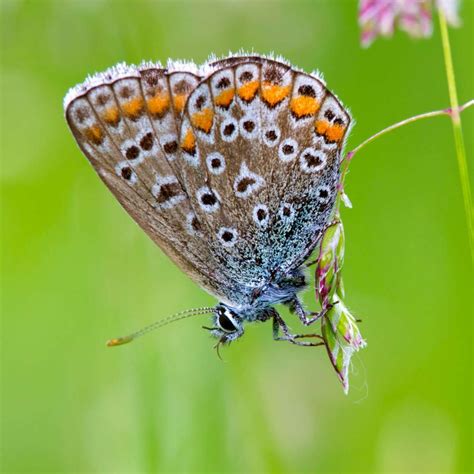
(380, 17)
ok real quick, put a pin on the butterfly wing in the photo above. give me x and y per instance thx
(262, 146)
(127, 121)
(234, 176)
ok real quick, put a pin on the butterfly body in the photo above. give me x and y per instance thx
(232, 168)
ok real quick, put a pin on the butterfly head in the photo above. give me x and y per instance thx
(227, 324)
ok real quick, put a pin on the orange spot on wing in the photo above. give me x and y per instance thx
(248, 91)
(159, 104)
(273, 94)
(189, 142)
(321, 126)
(304, 105)
(178, 101)
(133, 108)
(112, 116)
(224, 98)
(335, 133)
(203, 120)
(95, 134)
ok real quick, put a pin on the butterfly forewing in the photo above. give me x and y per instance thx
(123, 124)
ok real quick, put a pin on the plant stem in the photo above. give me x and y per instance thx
(435, 113)
(457, 130)
(462, 162)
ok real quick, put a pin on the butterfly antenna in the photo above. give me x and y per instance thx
(118, 341)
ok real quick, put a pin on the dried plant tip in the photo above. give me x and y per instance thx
(119, 341)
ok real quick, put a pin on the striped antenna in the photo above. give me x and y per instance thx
(118, 341)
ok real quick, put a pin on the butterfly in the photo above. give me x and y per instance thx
(232, 168)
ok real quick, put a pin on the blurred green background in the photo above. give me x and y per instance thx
(77, 270)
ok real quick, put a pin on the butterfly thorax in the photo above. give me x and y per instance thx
(229, 320)
(282, 290)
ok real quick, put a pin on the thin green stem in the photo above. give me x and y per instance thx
(450, 112)
(457, 130)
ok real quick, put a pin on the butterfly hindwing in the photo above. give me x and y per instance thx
(263, 169)
(308, 165)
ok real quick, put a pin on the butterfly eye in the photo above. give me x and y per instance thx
(226, 322)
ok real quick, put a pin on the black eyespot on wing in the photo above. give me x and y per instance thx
(271, 135)
(313, 160)
(126, 172)
(261, 214)
(229, 129)
(307, 90)
(288, 149)
(146, 142)
(132, 152)
(223, 83)
(168, 191)
(323, 193)
(246, 76)
(170, 147)
(249, 126)
(244, 183)
(227, 236)
(273, 74)
(200, 102)
(208, 199)
(329, 114)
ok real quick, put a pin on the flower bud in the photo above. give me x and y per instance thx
(330, 261)
(342, 338)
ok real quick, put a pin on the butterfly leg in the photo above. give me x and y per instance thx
(307, 317)
(278, 324)
(312, 262)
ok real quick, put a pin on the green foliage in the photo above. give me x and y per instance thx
(77, 271)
